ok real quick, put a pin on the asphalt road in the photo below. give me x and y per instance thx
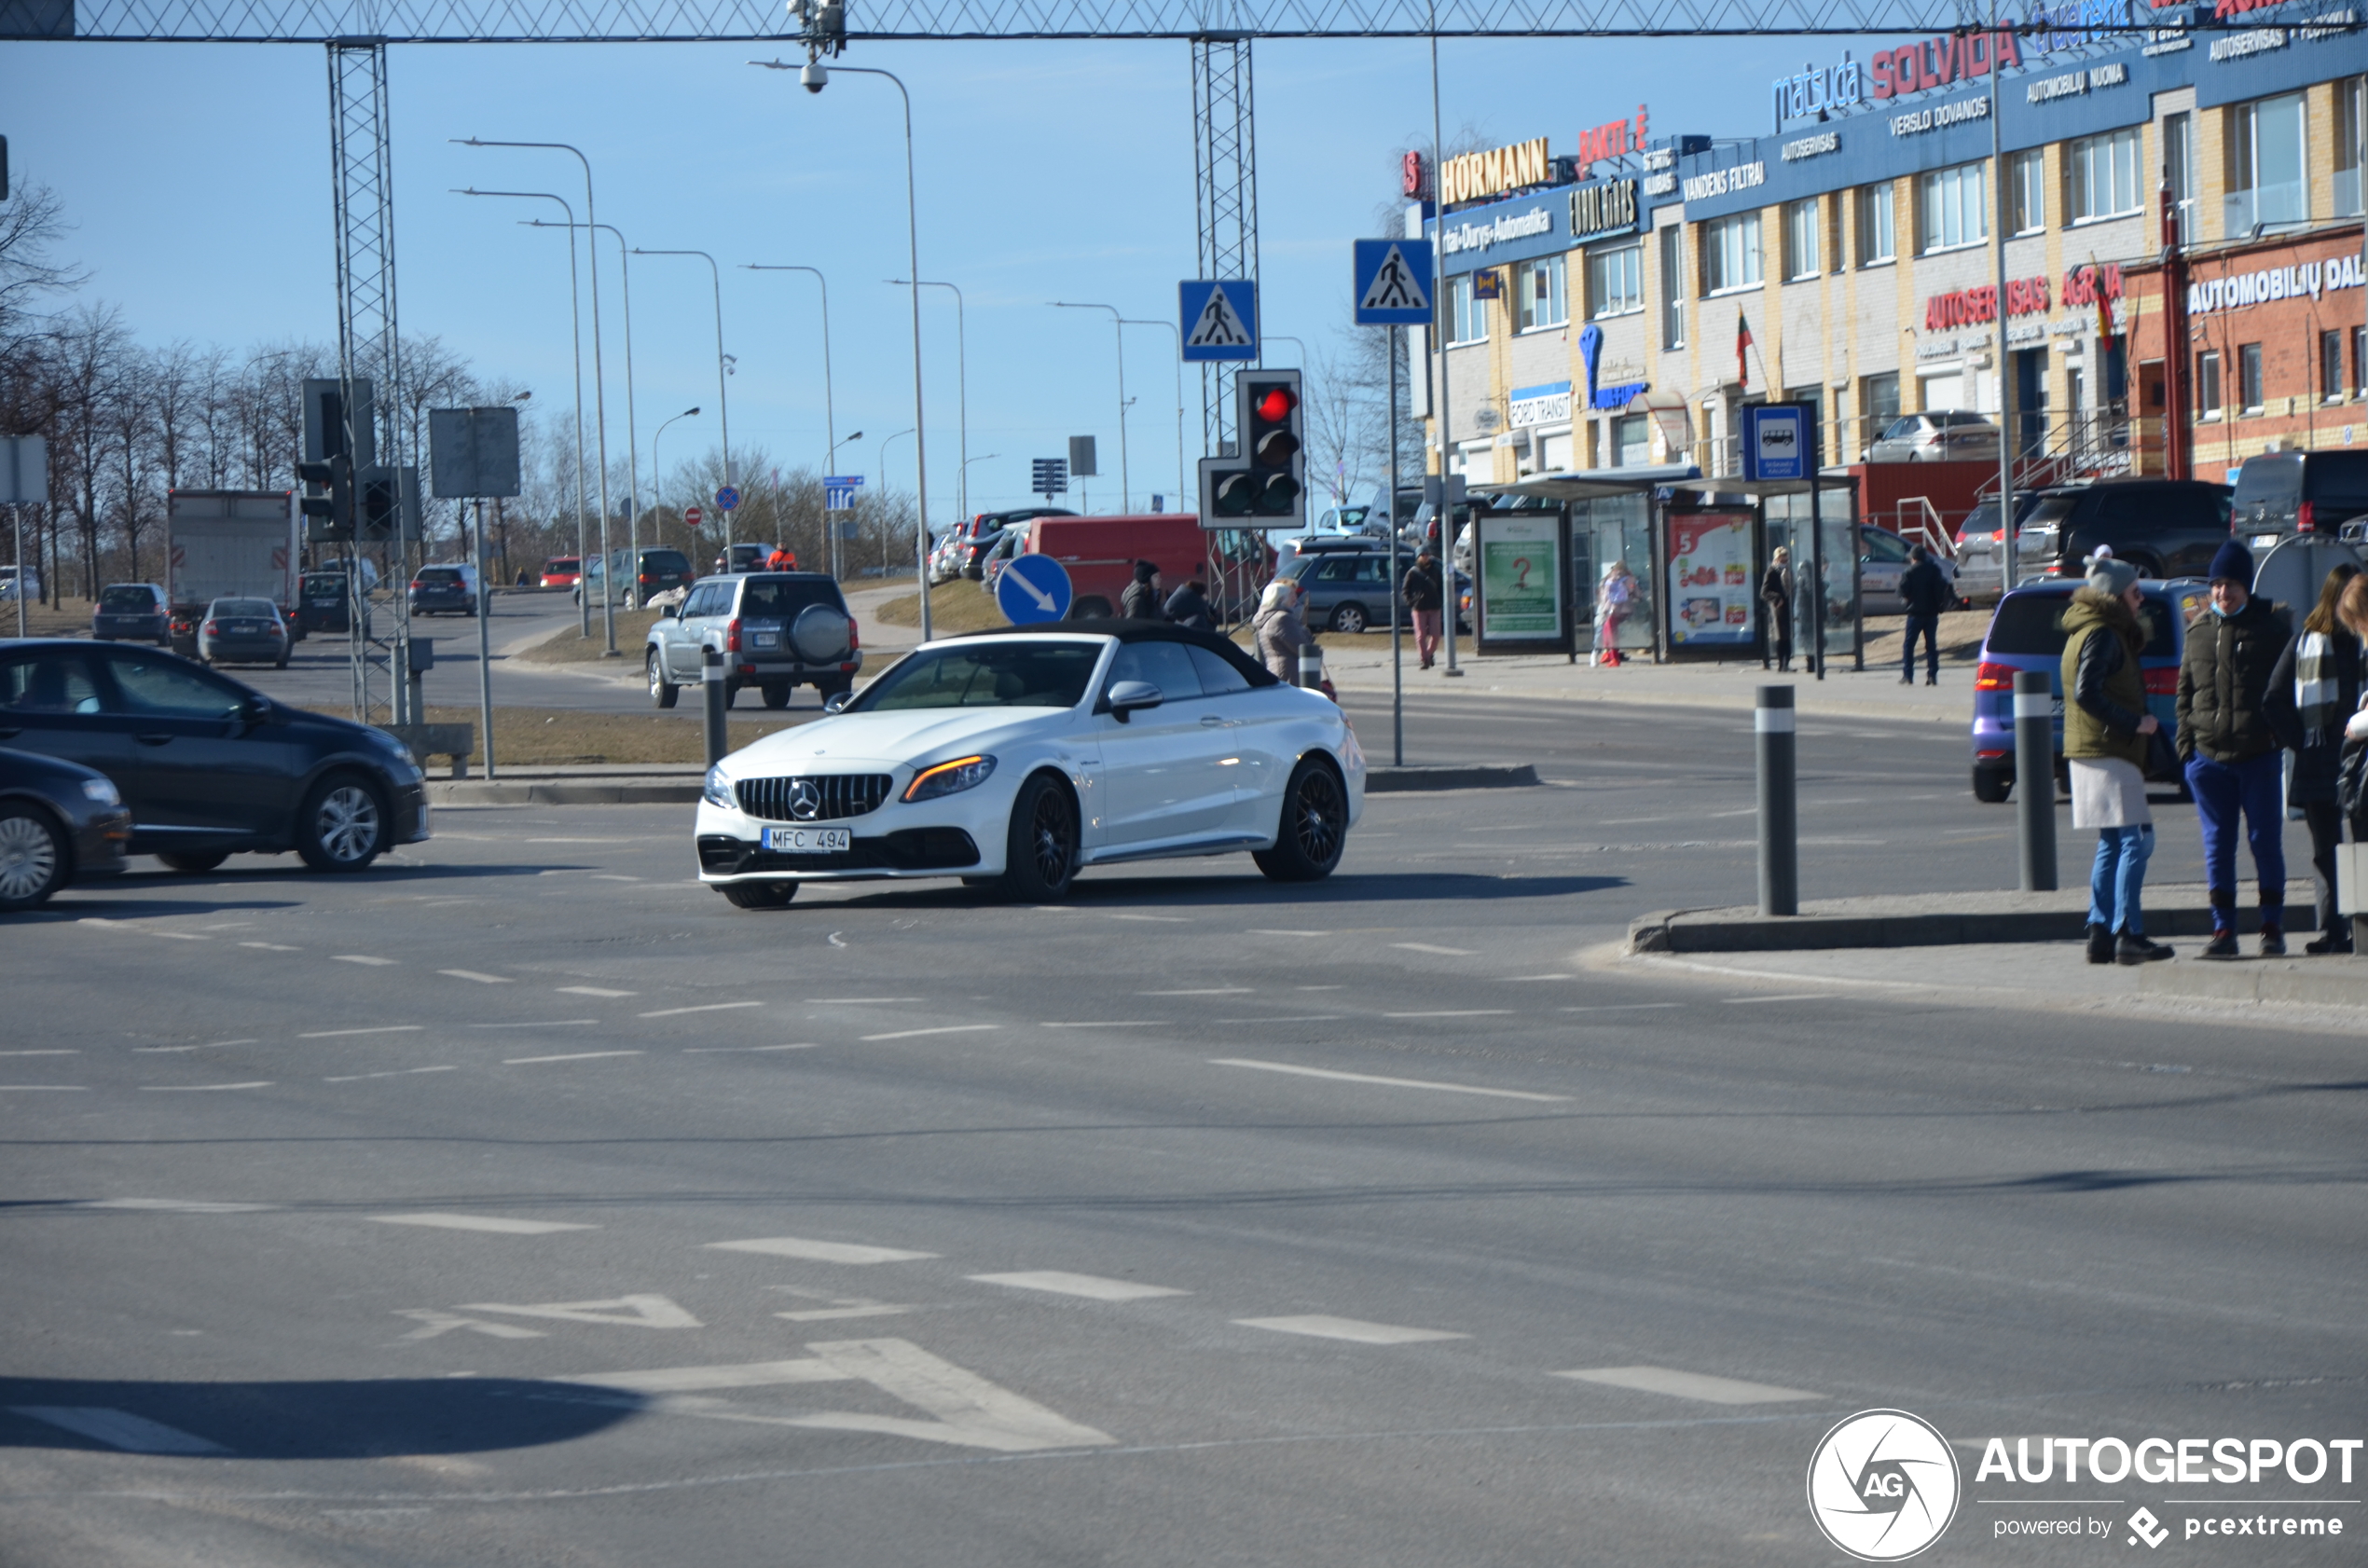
(522, 1201)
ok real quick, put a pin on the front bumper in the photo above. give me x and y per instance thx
(954, 835)
(408, 804)
(100, 842)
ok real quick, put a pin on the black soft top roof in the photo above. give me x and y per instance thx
(1124, 630)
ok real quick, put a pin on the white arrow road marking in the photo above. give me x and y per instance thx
(636, 1312)
(705, 1380)
(1092, 1287)
(119, 1429)
(821, 1252)
(492, 1223)
(434, 1323)
(1350, 1328)
(971, 1412)
(1690, 1385)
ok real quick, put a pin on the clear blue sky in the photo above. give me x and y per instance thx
(197, 178)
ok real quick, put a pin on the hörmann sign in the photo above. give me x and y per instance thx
(1475, 176)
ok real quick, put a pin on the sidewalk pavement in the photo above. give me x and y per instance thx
(1932, 920)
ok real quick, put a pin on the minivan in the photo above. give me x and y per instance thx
(659, 570)
(2300, 493)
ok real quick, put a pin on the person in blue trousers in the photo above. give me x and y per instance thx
(2106, 737)
(2230, 721)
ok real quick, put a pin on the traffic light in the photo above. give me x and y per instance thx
(327, 502)
(1265, 485)
(387, 505)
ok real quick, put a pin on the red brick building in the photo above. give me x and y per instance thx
(2277, 352)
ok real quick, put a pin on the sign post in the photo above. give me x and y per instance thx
(24, 480)
(474, 453)
(1389, 286)
(1779, 443)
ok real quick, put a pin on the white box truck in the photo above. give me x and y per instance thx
(228, 545)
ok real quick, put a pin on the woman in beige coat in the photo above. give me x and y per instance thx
(1280, 629)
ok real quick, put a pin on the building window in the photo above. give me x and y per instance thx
(2264, 151)
(1632, 440)
(1879, 406)
(1730, 253)
(2101, 176)
(2352, 108)
(2208, 384)
(1616, 280)
(1801, 225)
(1541, 293)
(1953, 212)
(1875, 231)
(2330, 367)
(2179, 169)
(2027, 189)
(2249, 377)
(2359, 362)
(1466, 316)
(1673, 287)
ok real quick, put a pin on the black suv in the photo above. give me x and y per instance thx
(2165, 528)
(2301, 492)
(206, 767)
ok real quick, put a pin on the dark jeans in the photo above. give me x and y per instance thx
(1927, 627)
(1780, 637)
(2254, 788)
(2326, 832)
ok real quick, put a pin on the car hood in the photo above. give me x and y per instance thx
(848, 740)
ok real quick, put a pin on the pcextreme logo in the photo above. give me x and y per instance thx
(1883, 1485)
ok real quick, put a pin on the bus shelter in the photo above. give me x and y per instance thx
(1696, 549)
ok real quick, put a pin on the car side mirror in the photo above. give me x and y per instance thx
(1131, 696)
(836, 702)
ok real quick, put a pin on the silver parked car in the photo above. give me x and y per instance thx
(244, 631)
(1938, 435)
(776, 630)
(1883, 560)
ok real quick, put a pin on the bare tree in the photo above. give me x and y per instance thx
(31, 223)
(129, 409)
(90, 349)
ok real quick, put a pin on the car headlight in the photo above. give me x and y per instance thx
(718, 789)
(102, 791)
(949, 779)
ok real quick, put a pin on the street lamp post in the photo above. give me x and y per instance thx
(923, 573)
(830, 419)
(962, 375)
(815, 75)
(1179, 334)
(657, 475)
(575, 338)
(1118, 328)
(600, 394)
(632, 423)
(723, 399)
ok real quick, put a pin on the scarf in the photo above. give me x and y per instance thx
(2316, 689)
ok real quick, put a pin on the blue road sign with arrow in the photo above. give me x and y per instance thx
(728, 498)
(1219, 317)
(1032, 589)
(838, 491)
(1393, 283)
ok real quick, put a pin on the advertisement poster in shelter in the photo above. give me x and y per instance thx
(1710, 579)
(1520, 579)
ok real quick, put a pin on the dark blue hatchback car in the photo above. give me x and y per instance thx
(2027, 632)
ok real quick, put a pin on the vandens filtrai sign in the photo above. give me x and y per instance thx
(1718, 182)
(2301, 280)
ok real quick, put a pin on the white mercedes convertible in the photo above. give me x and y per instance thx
(1014, 759)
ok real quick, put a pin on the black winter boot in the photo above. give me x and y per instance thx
(2100, 942)
(2134, 949)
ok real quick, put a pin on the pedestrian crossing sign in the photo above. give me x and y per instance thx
(1219, 317)
(1393, 283)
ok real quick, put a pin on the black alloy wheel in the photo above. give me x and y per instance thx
(342, 824)
(759, 895)
(195, 862)
(663, 693)
(33, 858)
(1040, 853)
(1315, 826)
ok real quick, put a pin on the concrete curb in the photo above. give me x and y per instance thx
(2313, 982)
(2046, 917)
(1450, 775)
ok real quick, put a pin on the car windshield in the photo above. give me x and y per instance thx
(560, 563)
(778, 599)
(129, 601)
(252, 606)
(324, 584)
(439, 575)
(2033, 624)
(985, 675)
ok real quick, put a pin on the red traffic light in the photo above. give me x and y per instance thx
(1274, 405)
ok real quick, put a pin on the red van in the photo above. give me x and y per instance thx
(1100, 553)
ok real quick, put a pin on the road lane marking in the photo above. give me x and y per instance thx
(1204, 991)
(1525, 979)
(480, 979)
(1385, 1082)
(43, 1088)
(1427, 947)
(272, 946)
(739, 1050)
(575, 841)
(539, 1023)
(200, 1088)
(362, 958)
(1622, 1006)
(612, 877)
(1109, 1024)
(702, 1379)
(396, 1072)
(190, 936)
(1353, 1329)
(710, 1007)
(1255, 931)
(943, 1030)
(854, 1001)
(821, 1252)
(1287, 1018)
(1786, 997)
(1162, 919)
(40, 1052)
(434, 1324)
(119, 1429)
(1690, 1385)
(969, 1411)
(593, 991)
(491, 1223)
(631, 1312)
(1455, 1013)
(565, 1056)
(1092, 1287)
(175, 1205)
(385, 1029)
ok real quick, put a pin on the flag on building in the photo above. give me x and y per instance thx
(1743, 345)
